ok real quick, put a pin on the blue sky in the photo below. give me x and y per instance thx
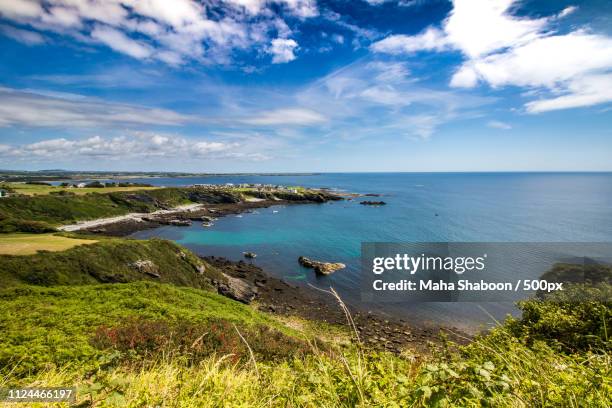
(306, 85)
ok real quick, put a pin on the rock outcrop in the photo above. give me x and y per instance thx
(146, 267)
(237, 289)
(321, 268)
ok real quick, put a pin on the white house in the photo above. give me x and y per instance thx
(81, 185)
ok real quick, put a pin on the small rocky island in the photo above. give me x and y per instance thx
(321, 268)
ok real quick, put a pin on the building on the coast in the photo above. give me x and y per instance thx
(81, 185)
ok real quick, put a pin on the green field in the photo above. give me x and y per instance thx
(28, 244)
(38, 189)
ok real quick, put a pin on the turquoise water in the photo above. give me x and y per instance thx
(501, 207)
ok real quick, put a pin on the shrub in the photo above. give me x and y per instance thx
(197, 341)
(577, 319)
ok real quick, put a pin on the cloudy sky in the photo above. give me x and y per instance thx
(306, 85)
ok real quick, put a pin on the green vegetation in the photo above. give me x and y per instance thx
(41, 213)
(110, 260)
(28, 244)
(40, 188)
(131, 345)
(42, 326)
(64, 209)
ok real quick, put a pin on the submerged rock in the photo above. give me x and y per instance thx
(321, 268)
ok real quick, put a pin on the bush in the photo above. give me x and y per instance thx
(196, 341)
(577, 319)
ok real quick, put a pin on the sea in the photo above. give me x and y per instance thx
(421, 207)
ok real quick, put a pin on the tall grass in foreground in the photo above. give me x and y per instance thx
(492, 373)
(516, 365)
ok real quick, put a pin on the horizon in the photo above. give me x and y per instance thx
(306, 86)
(307, 173)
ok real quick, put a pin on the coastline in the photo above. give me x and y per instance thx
(376, 331)
(124, 225)
(274, 295)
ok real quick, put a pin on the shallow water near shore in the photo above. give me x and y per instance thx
(421, 207)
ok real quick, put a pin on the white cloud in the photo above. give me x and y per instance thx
(586, 91)
(120, 42)
(131, 145)
(504, 50)
(497, 124)
(378, 99)
(294, 116)
(42, 109)
(431, 39)
(170, 31)
(567, 11)
(23, 36)
(299, 8)
(282, 50)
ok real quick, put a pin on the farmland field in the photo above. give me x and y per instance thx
(28, 244)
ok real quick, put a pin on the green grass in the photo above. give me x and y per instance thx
(109, 260)
(41, 326)
(51, 326)
(65, 209)
(38, 189)
(28, 244)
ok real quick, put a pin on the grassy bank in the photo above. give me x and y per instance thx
(65, 209)
(42, 326)
(84, 336)
(110, 260)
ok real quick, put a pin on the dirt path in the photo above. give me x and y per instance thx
(131, 216)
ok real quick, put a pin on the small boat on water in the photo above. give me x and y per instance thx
(207, 224)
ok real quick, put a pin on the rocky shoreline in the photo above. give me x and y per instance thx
(278, 297)
(205, 211)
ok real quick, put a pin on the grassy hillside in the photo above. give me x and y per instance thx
(109, 260)
(41, 326)
(65, 209)
(85, 336)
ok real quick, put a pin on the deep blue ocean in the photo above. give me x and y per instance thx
(421, 207)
